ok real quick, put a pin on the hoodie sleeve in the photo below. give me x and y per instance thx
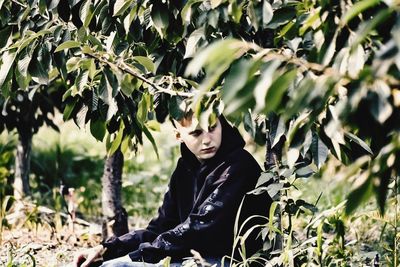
(166, 219)
(209, 228)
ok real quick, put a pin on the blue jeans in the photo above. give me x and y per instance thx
(124, 262)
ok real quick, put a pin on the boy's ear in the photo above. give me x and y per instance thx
(178, 135)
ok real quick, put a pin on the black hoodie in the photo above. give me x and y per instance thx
(200, 207)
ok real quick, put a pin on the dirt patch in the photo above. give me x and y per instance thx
(43, 247)
(39, 236)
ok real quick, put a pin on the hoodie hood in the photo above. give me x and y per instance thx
(231, 140)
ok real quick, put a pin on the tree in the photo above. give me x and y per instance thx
(30, 90)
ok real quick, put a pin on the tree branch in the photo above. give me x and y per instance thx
(124, 67)
(318, 67)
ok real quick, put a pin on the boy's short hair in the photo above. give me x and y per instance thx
(185, 120)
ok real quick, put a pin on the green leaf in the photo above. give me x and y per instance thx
(118, 139)
(264, 178)
(212, 59)
(144, 107)
(66, 94)
(86, 13)
(334, 130)
(73, 64)
(236, 79)
(80, 117)
(207, 118)
(359, 195)
(23, 81)
(67, 45)
(160, 17)
(251, 13)
(108, 141)
(274, 189)
(278, 129)
(98, 129)
(28, 39)
(281, 17)
(264, 82)
(91, 68)
(111, 83)
(42, 7)
(192, 42)
(356, 61)
(61, 64)
(307, 143)
(292, 155)
(286, 30)
(128, 84)
(153, 125)
(53, 4)
(82, 80)
(95, 42)
(68, 110)
(176, 107)
(38, 69)
(277, 90)
(310, 21)
(186, 13)
(319, 150)
(5, 90)
(249, 124)
(130, 17)
(112, 108)
(236, 11)
(243, 100)
(146, 62)
(125, 144)
(300, 121)
(304, 172)
(359, 142)
(215, 3)
(7, 62)
(121, 6)
(356, 9)
(5, 35)
(271, 217)
(151, 139)
(267, 13)
(319, 238)
(381, 108)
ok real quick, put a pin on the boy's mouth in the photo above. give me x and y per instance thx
(208, 150)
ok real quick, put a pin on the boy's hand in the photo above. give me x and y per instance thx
(86, 257)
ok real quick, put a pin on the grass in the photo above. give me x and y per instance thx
(366, 232)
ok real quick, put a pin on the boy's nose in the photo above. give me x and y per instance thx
(206, 138)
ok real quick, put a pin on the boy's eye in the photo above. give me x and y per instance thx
(196, 133)
(212, 128)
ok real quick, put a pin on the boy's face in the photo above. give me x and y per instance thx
(204, 144)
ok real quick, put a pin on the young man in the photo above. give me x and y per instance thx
(199, 209)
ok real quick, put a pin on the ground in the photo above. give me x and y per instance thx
(39, 236)
(23, 246)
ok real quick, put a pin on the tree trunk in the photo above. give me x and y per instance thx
(113, 212)
(22, 165)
